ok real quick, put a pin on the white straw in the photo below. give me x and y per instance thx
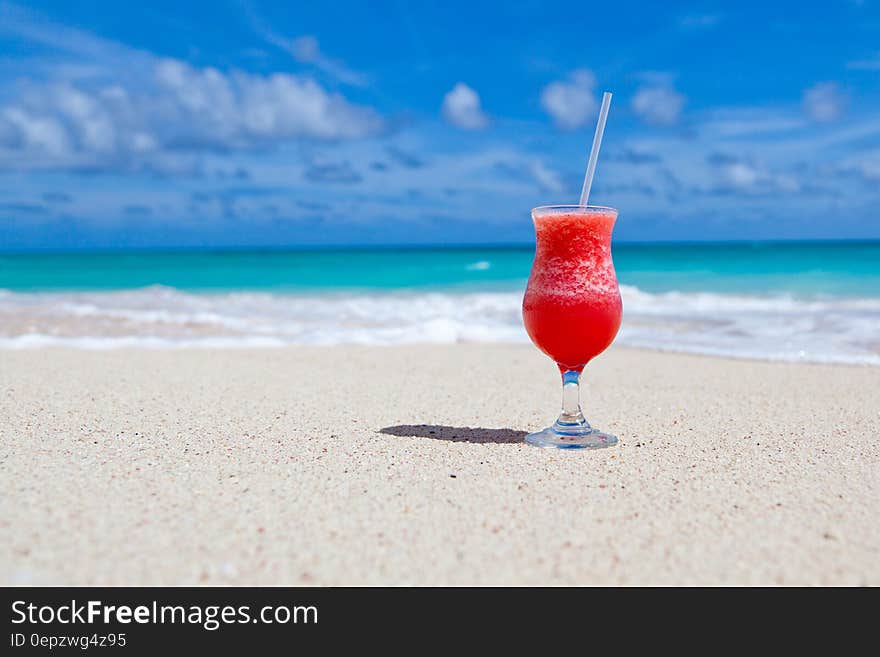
(594, 152)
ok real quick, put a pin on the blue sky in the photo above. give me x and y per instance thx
(259, 123)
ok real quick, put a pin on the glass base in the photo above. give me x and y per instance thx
(553, 438)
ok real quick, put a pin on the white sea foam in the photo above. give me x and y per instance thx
(481, 265)
(776, 327)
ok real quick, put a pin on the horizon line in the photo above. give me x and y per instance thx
(459, 246)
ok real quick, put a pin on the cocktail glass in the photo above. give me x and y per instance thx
(572, 309)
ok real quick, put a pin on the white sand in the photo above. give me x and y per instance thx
(285, 467)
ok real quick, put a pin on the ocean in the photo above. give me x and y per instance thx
(813, 301)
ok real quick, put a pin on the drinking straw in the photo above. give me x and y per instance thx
(594, 152)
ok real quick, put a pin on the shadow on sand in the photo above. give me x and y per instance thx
(455, 434)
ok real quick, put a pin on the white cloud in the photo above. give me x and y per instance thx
(461, 107)
(97, 104)
(243, 107)
(658, 105)
(866, 167)
(305, 49)
(181, 110)
(548, 179)
(19, 129)
(740, 175)
(571, 102)
(748, 178)
(824, 102)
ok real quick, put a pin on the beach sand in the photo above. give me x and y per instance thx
(405, 465)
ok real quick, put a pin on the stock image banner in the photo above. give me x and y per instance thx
(134, 620)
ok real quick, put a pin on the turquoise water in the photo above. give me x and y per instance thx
(808, 301)
(818, 268)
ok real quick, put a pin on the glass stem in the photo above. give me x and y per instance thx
(571, 417)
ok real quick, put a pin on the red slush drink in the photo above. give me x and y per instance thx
(572, 307)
